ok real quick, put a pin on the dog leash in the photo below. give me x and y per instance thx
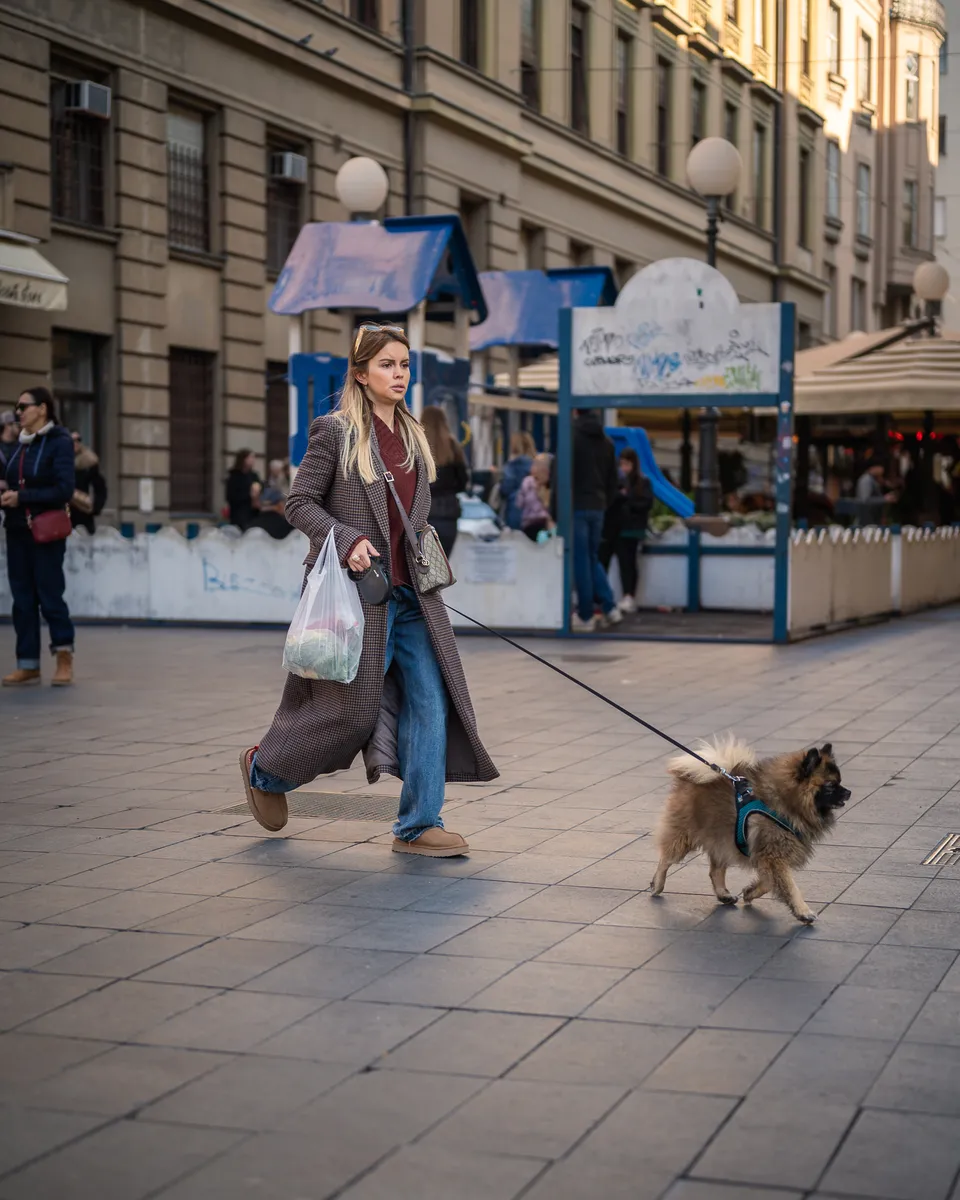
(593, 692)
(747, 802)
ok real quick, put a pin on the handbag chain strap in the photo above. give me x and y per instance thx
(407, 525)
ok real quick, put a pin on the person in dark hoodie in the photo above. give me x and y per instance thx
(90, 494)
(596, 484)
(39, 478)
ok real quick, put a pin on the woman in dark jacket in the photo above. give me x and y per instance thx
(39, 478)
(243, 490)
(90, 494)
(625, 525)
(451, 476)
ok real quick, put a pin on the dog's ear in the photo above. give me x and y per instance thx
(827, 750)
(811, 760)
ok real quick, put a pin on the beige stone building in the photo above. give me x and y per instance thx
(164, 155)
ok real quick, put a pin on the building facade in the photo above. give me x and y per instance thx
(165, 155)
(946, 213)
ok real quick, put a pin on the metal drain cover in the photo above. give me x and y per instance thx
(333, 805)
(944, 851)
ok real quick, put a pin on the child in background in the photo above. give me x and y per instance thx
(533, 499)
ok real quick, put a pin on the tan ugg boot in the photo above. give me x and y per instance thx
(63, 676)
(21, 678)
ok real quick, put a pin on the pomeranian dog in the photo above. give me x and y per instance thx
(803, 788)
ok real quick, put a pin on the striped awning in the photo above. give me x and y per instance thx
(913, 375)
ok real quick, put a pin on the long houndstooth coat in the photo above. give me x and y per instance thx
(321, 726)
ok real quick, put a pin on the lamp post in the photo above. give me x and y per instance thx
(713, 170)
(931, 282)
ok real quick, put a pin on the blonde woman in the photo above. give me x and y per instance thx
(408, 712)
(451, 477)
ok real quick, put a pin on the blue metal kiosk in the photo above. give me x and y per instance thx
(678, 337)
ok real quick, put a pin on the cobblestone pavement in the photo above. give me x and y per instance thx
(194, 1011)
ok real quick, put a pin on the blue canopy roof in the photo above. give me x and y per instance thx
(384, 268)
(525, 305)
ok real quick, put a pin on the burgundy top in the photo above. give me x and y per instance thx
(394, 455)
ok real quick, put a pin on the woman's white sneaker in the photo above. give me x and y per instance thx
(628, 605)
(578, 626)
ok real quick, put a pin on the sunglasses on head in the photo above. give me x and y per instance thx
(371, 328)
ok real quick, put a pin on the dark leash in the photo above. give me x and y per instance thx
(747, 803)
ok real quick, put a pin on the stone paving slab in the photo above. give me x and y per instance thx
(191, 1010)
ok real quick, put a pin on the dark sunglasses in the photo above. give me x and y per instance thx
(24, 405)
(370, 328)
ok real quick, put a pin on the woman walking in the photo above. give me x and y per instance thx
(625, 526)
(408, 710)
(243, 490)
(451, 477)
(34, 492)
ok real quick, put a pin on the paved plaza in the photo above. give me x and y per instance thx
(195, 1011)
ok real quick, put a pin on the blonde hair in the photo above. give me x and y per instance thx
(355, 412)
(522, 443)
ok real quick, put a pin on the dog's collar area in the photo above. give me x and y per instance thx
(748, 804)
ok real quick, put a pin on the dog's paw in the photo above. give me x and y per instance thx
(807, 917)
(728, 899)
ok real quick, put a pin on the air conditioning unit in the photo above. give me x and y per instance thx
(288, 166)
(93, 99)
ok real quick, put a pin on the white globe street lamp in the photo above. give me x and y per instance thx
(714, 166)
(362, 186)
(713, 169)
(931, 282)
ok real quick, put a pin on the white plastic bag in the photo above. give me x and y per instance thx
(326, 635)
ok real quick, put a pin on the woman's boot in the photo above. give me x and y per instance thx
(63, 676)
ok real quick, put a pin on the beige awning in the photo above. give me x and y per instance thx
(27, 280)
(544, 373)
(916, 374)
(513, 403)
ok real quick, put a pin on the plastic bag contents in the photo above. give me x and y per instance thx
(326, 635)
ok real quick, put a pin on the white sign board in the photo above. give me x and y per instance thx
(489, 562)
(632, 350)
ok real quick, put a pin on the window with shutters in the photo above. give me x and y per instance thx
(731, 131)
(834, 22)
(366, 12)
(530, 52)
(833, 181)
(285, 205)
(664, 79)
(188, 183)
(471, 32)
(858, 305)
(912, 99)
(865, 69)
(805, 180)
(191, 431)
(805, 36)
(78, 157)
(78, 383)
(760, 134)
(579, 109)
(911, 213)
(698, 112)
(863, 200)
(624, 91)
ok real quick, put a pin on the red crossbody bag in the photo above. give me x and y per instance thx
(54, 525)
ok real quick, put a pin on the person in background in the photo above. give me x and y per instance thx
(278, 475)
(9, 436)
(90, 494)
(451, 476)
(871, 493)
(270, 518)
(38, 478)
(534, 498)
(515, 470)
(596, 485)
(243, 490)
(625, 527)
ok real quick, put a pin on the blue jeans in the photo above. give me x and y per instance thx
(590, 578)
(37, 583)
(422, 730)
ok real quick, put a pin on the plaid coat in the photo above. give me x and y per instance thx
(321, 726)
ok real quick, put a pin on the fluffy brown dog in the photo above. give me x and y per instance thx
(803, 787)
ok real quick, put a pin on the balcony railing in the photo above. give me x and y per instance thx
(920, 12)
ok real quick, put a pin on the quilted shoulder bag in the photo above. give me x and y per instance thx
(433, 567)
(53, 525)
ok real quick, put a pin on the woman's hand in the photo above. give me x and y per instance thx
(360, 556)
(10, 499)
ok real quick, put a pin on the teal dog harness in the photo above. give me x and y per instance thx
(747, 805)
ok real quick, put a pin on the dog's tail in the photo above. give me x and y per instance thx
(727, 751)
